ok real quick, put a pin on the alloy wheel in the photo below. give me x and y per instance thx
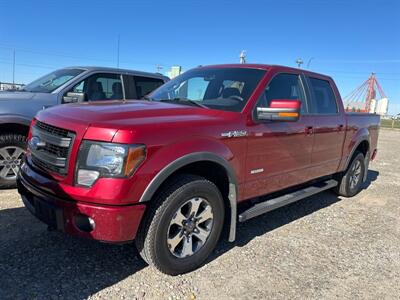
(355, 174)
(190, 227)
(10, 160)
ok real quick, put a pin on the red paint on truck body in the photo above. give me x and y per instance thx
(290, 153)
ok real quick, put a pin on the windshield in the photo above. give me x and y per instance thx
(217, 88)
(52, 81)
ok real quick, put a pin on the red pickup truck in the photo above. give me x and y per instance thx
(173, 170)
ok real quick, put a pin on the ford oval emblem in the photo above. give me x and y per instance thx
(35, 143)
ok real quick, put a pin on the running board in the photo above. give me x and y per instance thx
(275, 203)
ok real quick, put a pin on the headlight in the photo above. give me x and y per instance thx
(97, 159)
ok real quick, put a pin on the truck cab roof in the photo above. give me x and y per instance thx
(119, 70)
(268, 67)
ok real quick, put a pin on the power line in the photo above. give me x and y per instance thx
(372, 61)
(77, 57)
(360, 72)
(54, 54)
(28, 65)
(363, 77)
(9, 62)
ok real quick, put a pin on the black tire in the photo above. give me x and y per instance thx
(7, 142)
(346, 187)
(152, 241)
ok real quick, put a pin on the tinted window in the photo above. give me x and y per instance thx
(324, 98)
(283, 86)
(145, 85)
(101, 87)
(195, 88)
(218, 88)
(52, 81)
(111, 85)
(79, 87)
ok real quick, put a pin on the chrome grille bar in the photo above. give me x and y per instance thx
(50, 158)
(51, 139)
(50, 147)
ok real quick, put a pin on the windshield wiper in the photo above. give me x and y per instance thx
(180, 100)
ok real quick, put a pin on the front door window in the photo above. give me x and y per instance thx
(102, 86)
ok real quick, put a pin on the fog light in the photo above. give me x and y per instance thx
(87, 177)
(84, 223)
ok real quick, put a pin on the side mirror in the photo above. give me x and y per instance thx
(282, 110)
(73, 97)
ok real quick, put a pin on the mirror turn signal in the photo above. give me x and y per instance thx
(280, 110)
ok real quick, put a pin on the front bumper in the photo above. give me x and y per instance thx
(114, 224)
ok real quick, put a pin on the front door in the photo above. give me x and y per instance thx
(279, 153)
(100, 86)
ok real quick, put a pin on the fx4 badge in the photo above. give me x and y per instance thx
(235, 133)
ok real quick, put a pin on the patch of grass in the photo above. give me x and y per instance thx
(390, 123)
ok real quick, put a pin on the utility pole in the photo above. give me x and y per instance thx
(159, 68)
(14, 69)
(118, 52)
(243, 57)
(299, 62)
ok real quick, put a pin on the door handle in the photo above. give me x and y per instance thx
(340, 127)
(309, 130)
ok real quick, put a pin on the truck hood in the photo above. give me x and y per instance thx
(21, 96)
(121, 114)
(24, 104)
(16, 96)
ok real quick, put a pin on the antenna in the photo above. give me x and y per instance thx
(13, 76)
(118, 51)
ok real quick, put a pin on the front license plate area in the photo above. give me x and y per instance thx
(48, 213)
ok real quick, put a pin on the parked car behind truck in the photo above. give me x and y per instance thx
(173, 171)
(74, 84)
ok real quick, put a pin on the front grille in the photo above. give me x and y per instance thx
(51, 129)
(44, 166)
(50, 147)
(56, 150)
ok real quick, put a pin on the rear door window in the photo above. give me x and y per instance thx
(324, 99)
(145, 85)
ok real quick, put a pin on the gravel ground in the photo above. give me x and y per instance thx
(321, 247)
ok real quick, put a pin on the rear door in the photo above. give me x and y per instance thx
(329, 127)
(145, 85)
(136, 87)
